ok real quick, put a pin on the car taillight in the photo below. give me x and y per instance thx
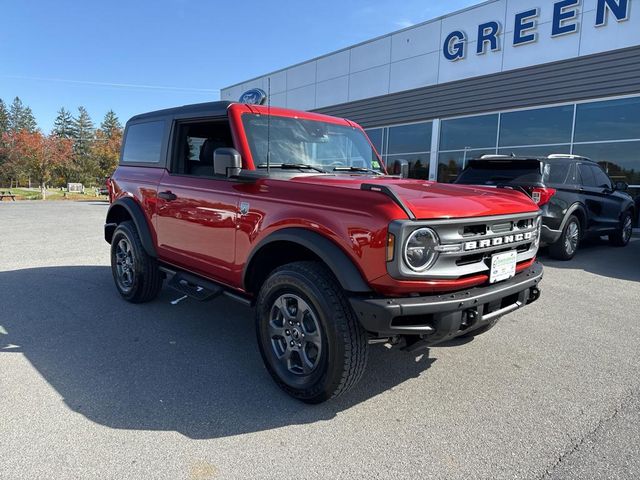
(542, 195)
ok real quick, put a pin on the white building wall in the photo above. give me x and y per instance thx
(413, 57)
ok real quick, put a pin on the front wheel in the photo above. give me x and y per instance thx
(135, 273)
(567, 245)
(310, 339)
(622, 237)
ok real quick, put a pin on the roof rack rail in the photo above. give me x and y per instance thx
(490, 156)
(566, 155)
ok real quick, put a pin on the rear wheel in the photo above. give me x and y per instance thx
(310, 340)
(567, 245)
(136, 274)
(622, 237)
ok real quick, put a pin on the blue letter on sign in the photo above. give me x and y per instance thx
(619, 8)
(524, 22)
(454, 50)
(562, 12)
(488, 32)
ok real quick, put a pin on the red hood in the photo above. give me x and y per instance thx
(438, 200)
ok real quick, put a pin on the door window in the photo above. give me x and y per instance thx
(195, 144)
(602, 179)
(587, 176)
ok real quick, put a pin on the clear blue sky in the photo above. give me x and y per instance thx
(139, 55)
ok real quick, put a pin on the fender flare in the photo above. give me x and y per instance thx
(139, 219)
(576, 206)
(331, 254)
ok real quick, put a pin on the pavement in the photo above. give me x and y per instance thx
(94, 387)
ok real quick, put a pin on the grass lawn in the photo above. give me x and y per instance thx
(52, 194)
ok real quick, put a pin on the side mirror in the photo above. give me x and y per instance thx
(227, 162)
(622, 186)
(401, 168)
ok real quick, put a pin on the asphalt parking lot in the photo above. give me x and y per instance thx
(93, 387)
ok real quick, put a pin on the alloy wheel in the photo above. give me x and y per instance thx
(295, 334)
(125, 264)
(571, 238)
(627, 229)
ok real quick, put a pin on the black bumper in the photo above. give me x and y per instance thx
(438, 318)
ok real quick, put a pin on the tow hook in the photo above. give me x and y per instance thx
(534, 294)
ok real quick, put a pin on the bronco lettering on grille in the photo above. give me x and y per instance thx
(497, 241)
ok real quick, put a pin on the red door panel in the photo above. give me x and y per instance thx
(196, 224)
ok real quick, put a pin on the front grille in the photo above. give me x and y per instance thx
(467, 245)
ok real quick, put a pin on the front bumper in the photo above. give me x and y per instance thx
(437, 318)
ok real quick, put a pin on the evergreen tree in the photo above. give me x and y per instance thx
(21, 117)
(29, 121)
(83, 133)
(63, 124)
(4, 118)
(111, 124)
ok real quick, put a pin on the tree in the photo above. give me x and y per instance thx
(83, 137)
(111, 124)
(37, 155)
(106, 147)
(63, 124)
(21, 117)
(4, 118)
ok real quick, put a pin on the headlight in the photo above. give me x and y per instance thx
(420, 249)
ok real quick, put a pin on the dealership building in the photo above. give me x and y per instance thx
(528, 77)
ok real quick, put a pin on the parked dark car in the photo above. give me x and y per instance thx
(576, 196)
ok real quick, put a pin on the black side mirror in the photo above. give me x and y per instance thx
(227, 162)
(401, 168)
(622, 186)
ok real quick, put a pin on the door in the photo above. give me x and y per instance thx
(595, 193)
(611, 204)
(197, 211)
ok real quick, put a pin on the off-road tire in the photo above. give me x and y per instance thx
(622, 236)
(560, 250)
(146, 278)
(342, 358)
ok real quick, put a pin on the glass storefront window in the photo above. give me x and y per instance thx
(536, 127)
(418, 164)
(609, 120)
(375, 135)
(472, 132)
(621, 160)
(409, 138)
(450, 164)
(535, 151)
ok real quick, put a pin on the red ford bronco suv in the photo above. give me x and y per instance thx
(295, 214)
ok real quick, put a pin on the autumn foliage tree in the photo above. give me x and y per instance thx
(26, 154)
(38, 155)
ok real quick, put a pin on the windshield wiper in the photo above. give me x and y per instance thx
(292, 166)
(357, 169)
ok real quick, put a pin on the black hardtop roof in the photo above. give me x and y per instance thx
(203, 109)
(549, 158)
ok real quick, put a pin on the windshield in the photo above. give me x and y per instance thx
(496, 172)
(294, 141)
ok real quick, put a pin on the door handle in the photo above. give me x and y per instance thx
(168, 196)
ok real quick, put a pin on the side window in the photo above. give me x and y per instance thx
(586, 175)
(602, 179)
(561, 173)
(195, 144)
(143, 142)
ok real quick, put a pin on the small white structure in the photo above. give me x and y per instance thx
(75, 188)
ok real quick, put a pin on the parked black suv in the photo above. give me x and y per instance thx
(576, 196)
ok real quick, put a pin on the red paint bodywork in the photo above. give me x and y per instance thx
(202, 230)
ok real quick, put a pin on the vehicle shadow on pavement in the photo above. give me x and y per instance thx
(598, 257)
(193, 367)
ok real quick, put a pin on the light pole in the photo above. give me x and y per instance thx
(464, 158)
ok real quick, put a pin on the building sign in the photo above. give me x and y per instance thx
(564, 22)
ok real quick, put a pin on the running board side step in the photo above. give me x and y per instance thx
(196, 287)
